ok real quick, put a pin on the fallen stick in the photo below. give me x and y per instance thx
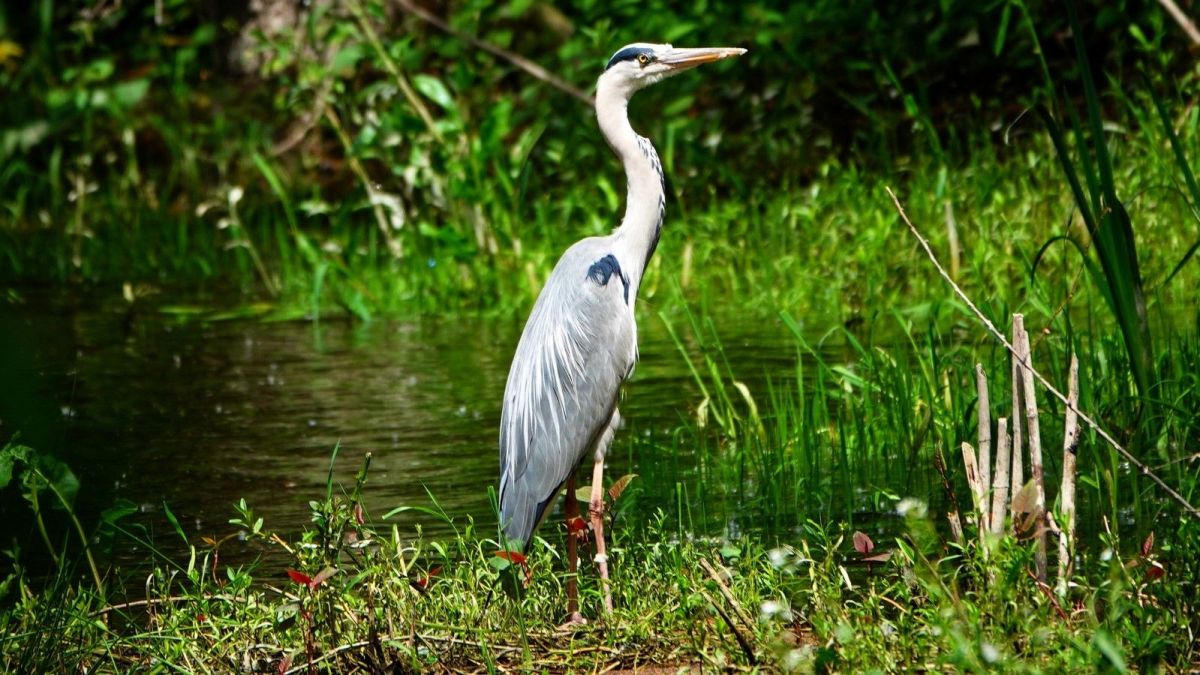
(1141, 466)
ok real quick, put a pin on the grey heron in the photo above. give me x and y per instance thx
(580, 341)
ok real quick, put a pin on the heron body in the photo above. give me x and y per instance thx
(580, 341)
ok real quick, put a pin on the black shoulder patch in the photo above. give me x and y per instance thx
(627, 54)
(603, 269)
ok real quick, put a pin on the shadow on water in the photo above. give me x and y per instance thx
(198, 415)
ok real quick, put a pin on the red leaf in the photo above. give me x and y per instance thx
(512, 557)
(285, 664)
(576, 525)
(201, 618)
(358, 514)
(863, 543)
(1155, 571)
(422, 583)
(615, 490)
(1148, 545)
(879, 557)
(299, 577)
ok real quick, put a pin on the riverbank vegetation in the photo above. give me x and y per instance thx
(364, 162)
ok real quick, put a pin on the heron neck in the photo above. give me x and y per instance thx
(645, 201)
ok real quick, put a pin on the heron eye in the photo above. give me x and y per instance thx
(643, 59)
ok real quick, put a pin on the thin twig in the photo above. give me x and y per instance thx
(517, 60)
(1049, 593)
(724, 588)
(381, 219)
(742, 641)
(394, 70)
(1141, 466)
(1182, 19)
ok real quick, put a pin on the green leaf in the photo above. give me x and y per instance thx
(7, 460)
(347, 58)
(1110, 651)
(1002, 31)
(49, 472)
(584, 494)
(117, 512)
(129, 94)
(174, 523)
(434, 90)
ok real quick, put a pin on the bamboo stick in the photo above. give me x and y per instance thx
(1000, 484)
(956, 529)
(1084, 418)
(985, 444)
(1016, 476)
(1034, 440)
(1066, 495)
(978, 491)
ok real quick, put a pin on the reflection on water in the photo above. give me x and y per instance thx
(147, 408)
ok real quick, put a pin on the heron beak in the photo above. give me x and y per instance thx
(682, 59)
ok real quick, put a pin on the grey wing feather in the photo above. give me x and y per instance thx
(578, 345)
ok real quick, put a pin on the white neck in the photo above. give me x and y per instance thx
(645, 203)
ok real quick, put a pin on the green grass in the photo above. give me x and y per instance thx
(391, 599)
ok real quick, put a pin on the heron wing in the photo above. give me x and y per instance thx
(578, 345)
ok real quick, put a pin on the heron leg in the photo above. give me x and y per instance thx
(596, 511)
(573, 524)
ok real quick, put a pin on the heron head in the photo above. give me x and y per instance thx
(641, 64)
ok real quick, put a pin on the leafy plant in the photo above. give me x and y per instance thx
(41, 473)
(1108, 223)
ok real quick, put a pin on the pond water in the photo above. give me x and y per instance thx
(195, 414)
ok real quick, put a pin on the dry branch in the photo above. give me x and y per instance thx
(1000, 484)
(1074, 407)
(1066, 495)
(978, 489)
(1034, 439)
(1017, 475)
(985, 442)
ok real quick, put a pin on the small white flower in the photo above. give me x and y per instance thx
(989, 652)
(778, 557)
(235, 195)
